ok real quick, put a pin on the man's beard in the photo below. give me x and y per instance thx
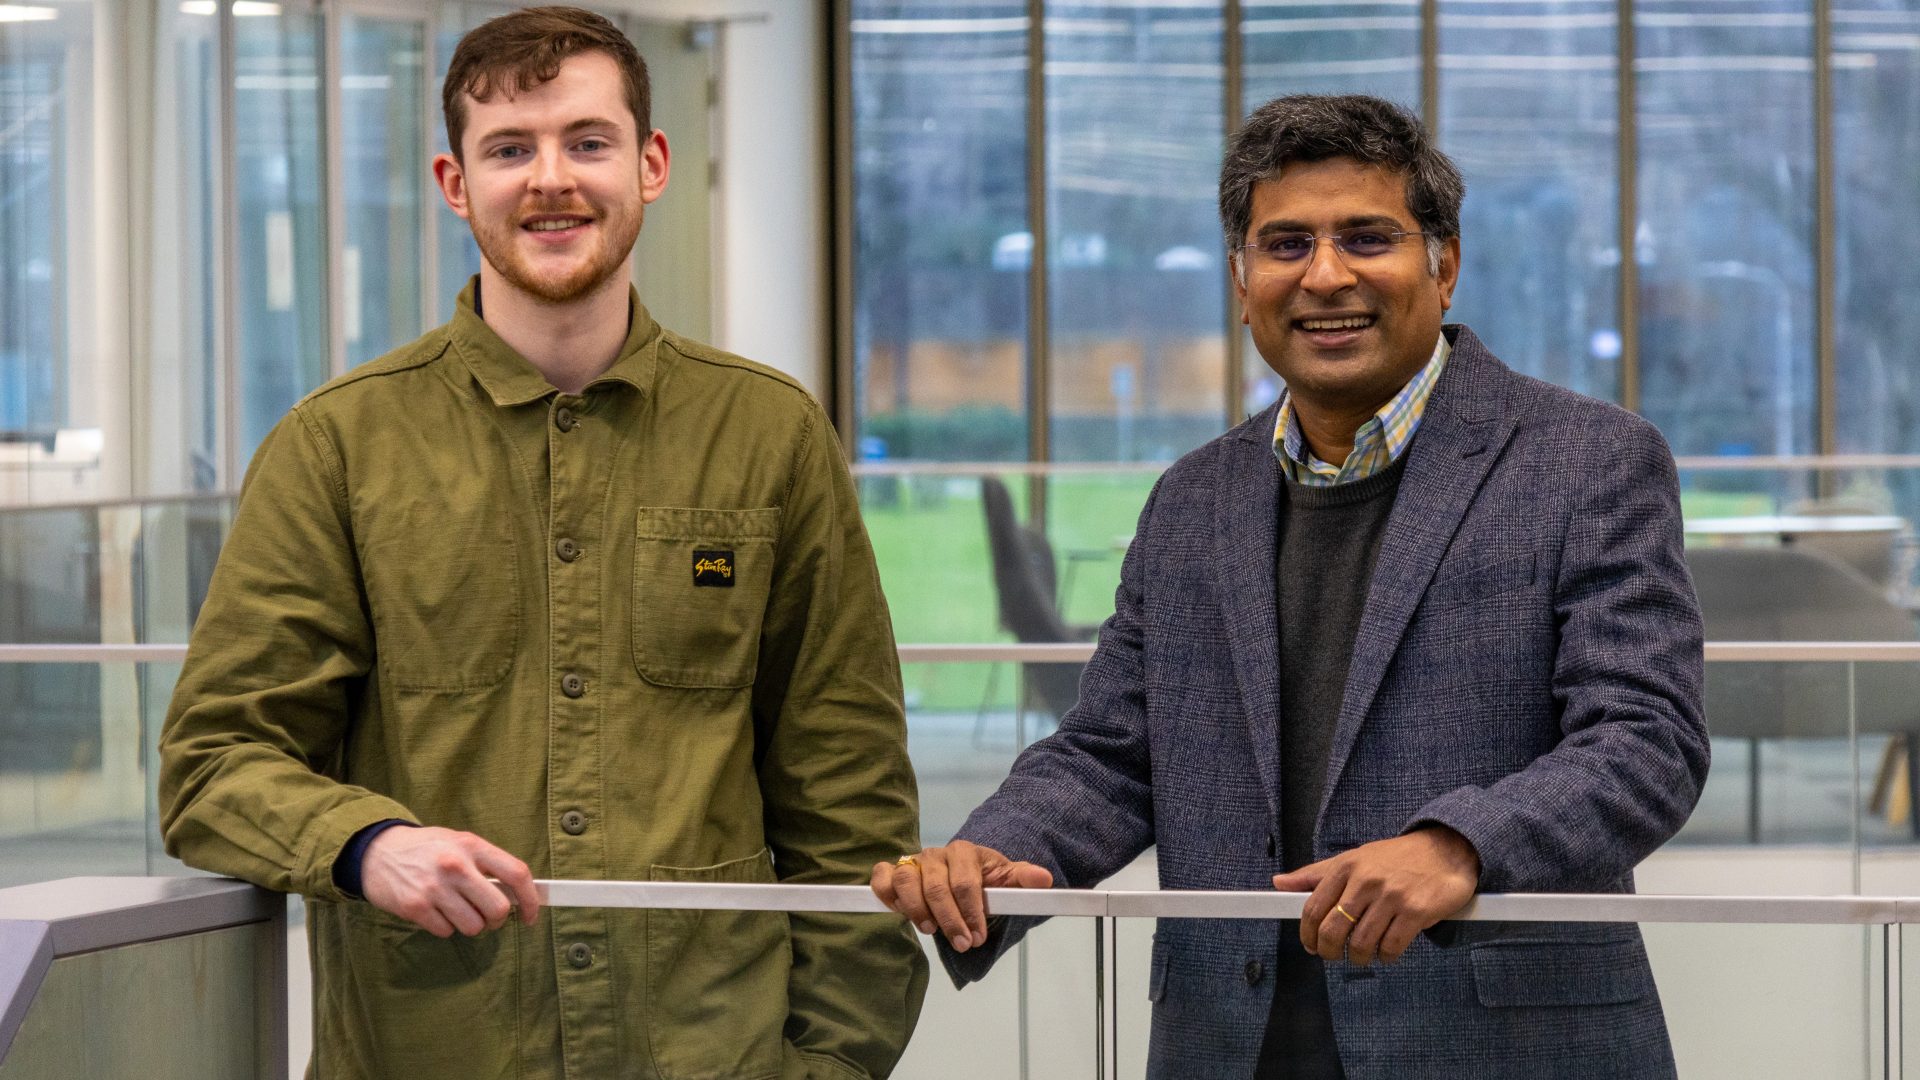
(616, 233)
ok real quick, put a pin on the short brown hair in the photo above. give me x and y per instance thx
(520, 50)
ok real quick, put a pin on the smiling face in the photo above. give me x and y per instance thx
(1346, 333)
(555, 181)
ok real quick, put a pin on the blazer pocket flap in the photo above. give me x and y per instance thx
(1479, 582)
(1157, 976)
(1510, 973)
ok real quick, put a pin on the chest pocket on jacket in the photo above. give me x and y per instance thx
(445, 599)
(1480, 582)
(700, 584)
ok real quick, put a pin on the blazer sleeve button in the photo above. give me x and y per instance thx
(1254, 971)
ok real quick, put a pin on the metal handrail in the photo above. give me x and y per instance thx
(1063, 653)
(1716, 652)
(1200, 904)
(92, 654)
(121, 503)
(39, 923)
(1684, 462)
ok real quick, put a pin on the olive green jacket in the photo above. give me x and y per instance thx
(630, 634)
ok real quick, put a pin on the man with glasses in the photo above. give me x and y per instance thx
(1420, 629)
(555, 592)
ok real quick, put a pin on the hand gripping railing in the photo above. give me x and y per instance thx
(40, 923)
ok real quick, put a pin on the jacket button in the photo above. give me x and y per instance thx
(564, 419)
(573, 686)
(1254, 971)
(579, 955)
(567, 549)
(573, 823)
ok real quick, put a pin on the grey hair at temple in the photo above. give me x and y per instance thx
(1315, 127)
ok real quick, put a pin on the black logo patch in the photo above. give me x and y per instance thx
(713, 568)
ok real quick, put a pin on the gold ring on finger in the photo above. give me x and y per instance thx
(1348, 915)
(908, 860)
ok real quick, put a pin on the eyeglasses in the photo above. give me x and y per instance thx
(1286, 253)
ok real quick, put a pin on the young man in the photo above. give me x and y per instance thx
(555, 592)
(1421, 628)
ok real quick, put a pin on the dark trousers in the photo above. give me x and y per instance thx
(1299, 1041)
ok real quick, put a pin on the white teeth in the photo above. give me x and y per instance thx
(555, 226)
(1353, 323)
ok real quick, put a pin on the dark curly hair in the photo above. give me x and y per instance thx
(1315, 127)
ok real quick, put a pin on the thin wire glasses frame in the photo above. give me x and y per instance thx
(1289, 252)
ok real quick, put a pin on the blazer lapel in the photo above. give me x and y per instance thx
(1245, 516)
(1460, 437)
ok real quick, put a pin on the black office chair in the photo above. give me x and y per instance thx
(1025, 582)
(1796, 594)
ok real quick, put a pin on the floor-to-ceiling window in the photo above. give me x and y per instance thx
(383, 92)
(1135, 309)
(37, 90)
(1727, 209)
(1876, 170)
(210, 207)
(280, 287)
(1698, 211)
(1529, 109)
(941, 234)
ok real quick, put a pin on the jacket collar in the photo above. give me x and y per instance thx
(1465, 388)
(509, 379)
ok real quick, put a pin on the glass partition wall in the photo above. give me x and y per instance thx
(1742, 999)
(1817, 755)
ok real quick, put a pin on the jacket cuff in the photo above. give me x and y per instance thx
(1464, 810)
(347, 869)
(328, 836)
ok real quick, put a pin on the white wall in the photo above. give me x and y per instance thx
(775, 211)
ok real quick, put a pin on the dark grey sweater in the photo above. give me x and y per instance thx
(1329, 539)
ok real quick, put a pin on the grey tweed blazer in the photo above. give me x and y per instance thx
(1527, 671)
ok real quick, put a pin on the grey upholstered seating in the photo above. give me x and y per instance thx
(1795, 594)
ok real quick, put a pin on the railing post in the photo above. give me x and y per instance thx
(1022, 1027)
(1107, 993)
(1890, 966)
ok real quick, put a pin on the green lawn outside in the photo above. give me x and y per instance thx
(930, 538)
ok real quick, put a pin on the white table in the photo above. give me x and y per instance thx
(1788, 524)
